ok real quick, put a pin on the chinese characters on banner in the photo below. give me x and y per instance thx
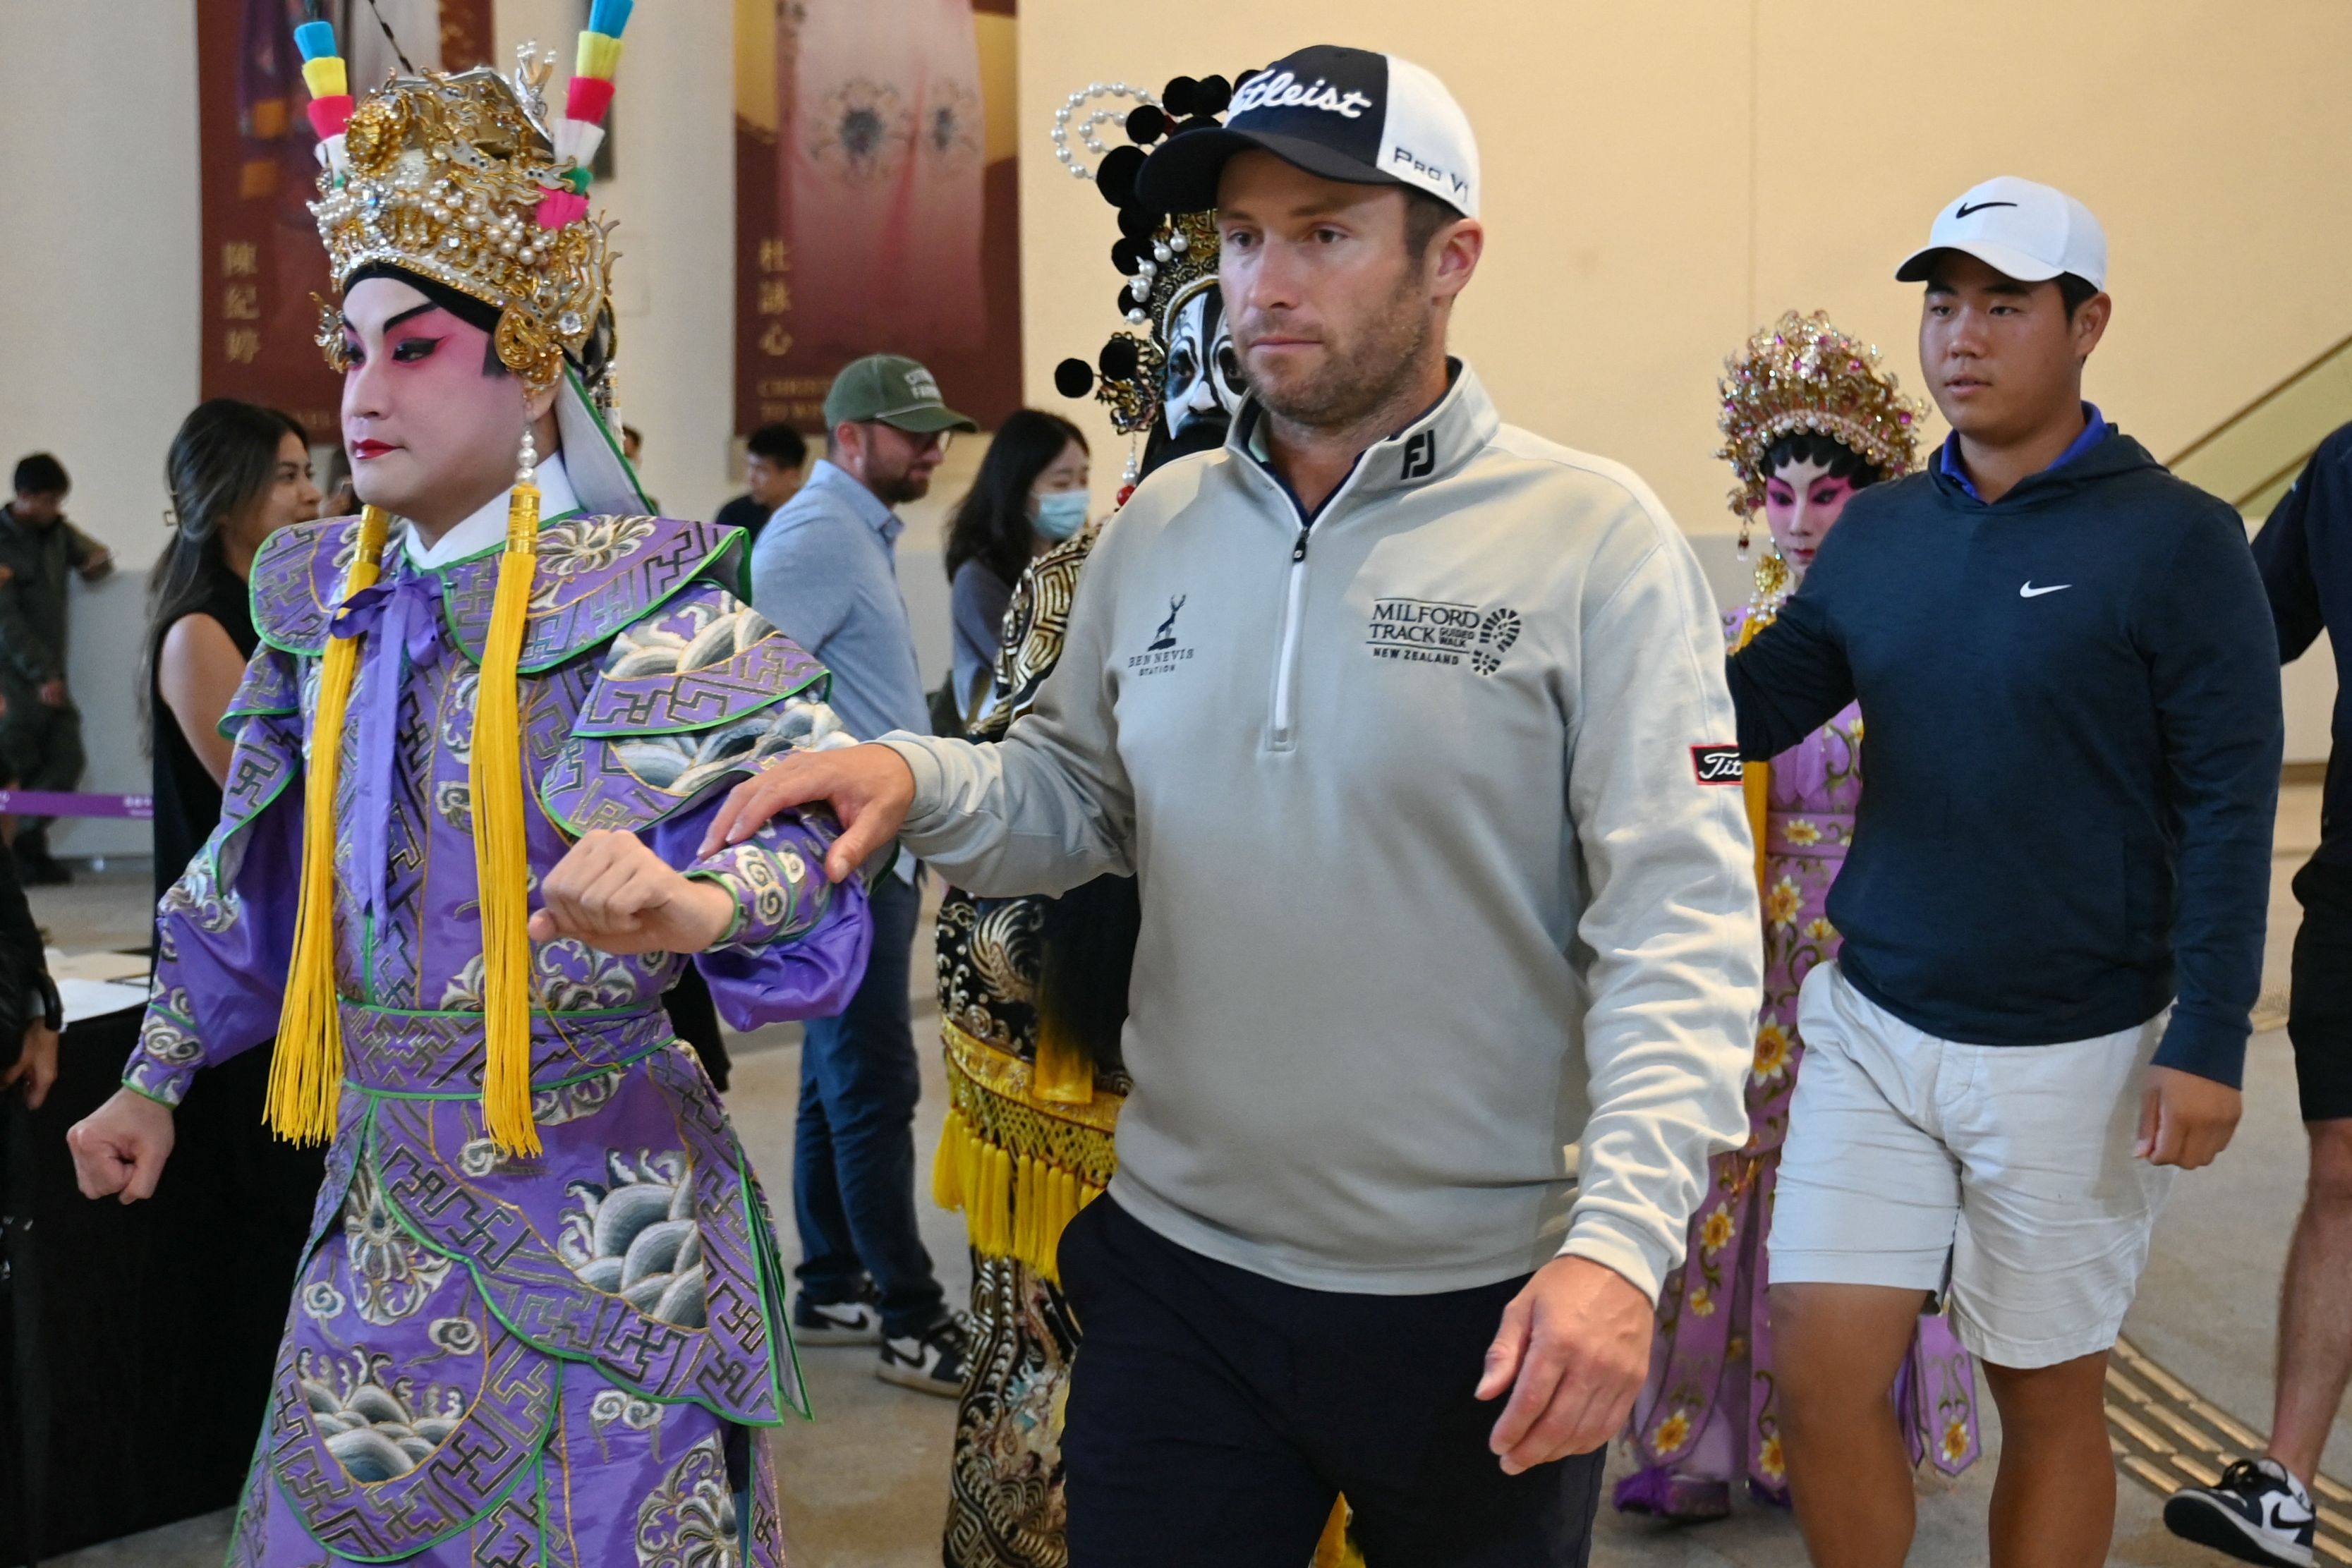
(877, 201)
(262, 259)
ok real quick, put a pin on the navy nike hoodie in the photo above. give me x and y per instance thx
(2072, 737)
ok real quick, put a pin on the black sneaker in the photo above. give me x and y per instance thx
(835, 1322)
(931, 1363)
(2257, 1512)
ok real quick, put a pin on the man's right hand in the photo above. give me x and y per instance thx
(869, 788)
(120, 1148)
(52, 693)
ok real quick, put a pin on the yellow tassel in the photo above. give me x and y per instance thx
(501, 860)
(1336, 1549)
(306, 1069)
(1062, 1076)
(1756, 779)
(947, 1165)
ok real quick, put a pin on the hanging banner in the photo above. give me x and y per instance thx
(877, 200)
(257, 168)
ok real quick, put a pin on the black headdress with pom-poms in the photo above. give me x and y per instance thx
(1166, 258)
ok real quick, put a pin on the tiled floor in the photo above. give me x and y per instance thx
(864, 1483)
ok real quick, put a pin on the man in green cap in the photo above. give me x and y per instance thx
(825, 572)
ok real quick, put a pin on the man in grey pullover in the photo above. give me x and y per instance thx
(1412, 727)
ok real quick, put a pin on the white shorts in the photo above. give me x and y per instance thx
(2002, 1174)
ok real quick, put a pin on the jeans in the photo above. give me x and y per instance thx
(854, 1158)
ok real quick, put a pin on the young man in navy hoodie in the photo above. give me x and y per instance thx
(2054, 910)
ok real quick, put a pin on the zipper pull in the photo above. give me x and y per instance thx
(1298, 550)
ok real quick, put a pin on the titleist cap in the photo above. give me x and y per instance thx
(1345, 114)
(2019, 229)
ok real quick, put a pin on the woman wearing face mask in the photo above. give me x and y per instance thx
(1030, 496)
(1809, 419)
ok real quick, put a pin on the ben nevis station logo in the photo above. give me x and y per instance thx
(1161, 655)
(1430, 632)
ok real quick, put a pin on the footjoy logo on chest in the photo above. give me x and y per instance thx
(1161, 654)
(1431, 631)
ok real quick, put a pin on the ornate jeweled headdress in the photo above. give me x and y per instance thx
(456, 180)
(1168, 260)
(1801, 373)
(463, 179)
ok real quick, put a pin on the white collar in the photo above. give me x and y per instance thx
(486, 530)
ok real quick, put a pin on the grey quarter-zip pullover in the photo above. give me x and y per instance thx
(1450, 957)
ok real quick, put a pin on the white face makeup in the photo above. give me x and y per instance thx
(1801, 503)
(1203, 379)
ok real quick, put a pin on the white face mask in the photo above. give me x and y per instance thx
(1060, 513)
(1203, 379)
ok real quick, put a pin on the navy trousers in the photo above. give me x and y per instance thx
(1216, 1415)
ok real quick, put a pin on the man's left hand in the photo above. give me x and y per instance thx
(610, 891)
(1573, 1350)
(2185, 1120)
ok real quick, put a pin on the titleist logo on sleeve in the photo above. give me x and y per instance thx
(1282, 90)
(1717, 764)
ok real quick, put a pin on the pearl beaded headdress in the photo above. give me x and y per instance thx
(464, 179)
(1166, 259)
(1801, 373)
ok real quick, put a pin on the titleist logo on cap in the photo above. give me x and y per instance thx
(1280, 89)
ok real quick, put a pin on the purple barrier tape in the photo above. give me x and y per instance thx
(73, 803)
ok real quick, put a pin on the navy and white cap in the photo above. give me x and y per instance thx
(2019, 229)
(1345, 114)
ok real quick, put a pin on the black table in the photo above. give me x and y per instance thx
(136, 1341)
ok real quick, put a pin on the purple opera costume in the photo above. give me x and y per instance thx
(1709, 1415)
(493, 1360)
(541, 1317)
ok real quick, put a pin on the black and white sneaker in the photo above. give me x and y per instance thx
(931, 1363)
(2257, 1512)
(835, 1322)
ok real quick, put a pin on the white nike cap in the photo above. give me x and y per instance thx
(2019, 229)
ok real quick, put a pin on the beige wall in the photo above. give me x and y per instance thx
(1661, 177)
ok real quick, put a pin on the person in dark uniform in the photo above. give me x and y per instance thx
(40, 727)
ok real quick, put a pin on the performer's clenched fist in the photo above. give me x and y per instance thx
(610, 891)
(120, 1148)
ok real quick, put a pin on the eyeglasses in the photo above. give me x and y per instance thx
(918, 442)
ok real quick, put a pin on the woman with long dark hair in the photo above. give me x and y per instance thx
(1029, 496)
(238, 472)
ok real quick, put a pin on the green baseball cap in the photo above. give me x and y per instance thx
(894, 389)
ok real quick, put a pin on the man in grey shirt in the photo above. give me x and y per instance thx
(1413, 728)
(825, 572)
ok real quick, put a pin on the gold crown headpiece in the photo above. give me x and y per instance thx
(1803, 374)
(464, 178)
(1167, 259)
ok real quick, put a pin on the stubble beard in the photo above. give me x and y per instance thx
(1364, 377)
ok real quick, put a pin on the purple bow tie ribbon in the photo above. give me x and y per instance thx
(401, 618)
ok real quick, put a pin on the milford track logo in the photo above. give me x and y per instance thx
(1431, 631)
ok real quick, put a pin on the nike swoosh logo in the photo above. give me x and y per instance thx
(2030, 591)
(1966, 209)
